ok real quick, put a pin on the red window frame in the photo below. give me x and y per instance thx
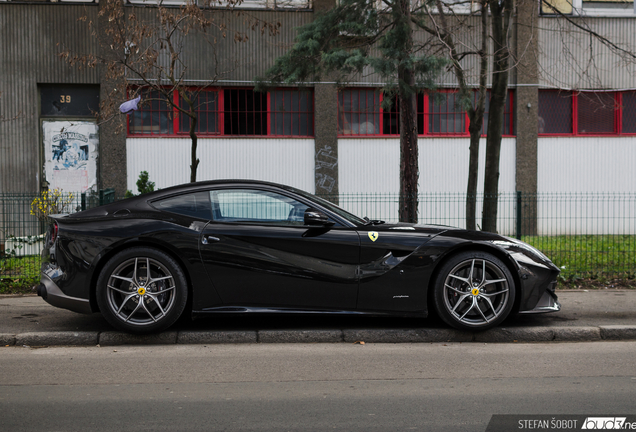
(618, 113)
(242, 104)
(218, 113)
(292, 113)
(365, 113)
(230, 113)
(629, 111)
(508, 114)
(147, 108)
(424, 116)
(429, 116)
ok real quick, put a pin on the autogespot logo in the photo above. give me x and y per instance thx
(605, 423)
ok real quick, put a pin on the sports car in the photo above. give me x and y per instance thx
(245, 246)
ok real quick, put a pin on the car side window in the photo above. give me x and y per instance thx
(195, 204)
(256, 206)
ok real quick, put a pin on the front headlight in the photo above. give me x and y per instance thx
(526, 247)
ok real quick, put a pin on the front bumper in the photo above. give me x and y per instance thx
(53, 295)
(549, 302)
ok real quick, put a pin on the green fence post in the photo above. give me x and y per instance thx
(83, 201)
(518, 215)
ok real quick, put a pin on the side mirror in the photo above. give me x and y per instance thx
(316, 218)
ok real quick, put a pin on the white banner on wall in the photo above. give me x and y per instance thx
(70, 155)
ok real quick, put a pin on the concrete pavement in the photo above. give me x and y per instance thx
(586, 315)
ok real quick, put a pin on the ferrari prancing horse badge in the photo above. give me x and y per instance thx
(373, 235)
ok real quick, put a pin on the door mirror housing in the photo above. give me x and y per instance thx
(315, 217)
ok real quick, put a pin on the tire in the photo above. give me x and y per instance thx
(141, 273)
(467, 300)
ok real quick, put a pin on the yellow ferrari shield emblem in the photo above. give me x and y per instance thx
(475, 291)
(141, 291)
(373, 235)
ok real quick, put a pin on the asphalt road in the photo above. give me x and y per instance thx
(310, 387)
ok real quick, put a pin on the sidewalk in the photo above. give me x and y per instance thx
(586, 315)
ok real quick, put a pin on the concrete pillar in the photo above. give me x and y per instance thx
(326, 130)
(326, 141)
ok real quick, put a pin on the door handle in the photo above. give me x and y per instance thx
(208, 239)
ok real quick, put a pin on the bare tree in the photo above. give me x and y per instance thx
(496, 18)
(495, 22)
(143, 51)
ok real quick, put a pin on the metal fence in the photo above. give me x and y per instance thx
(22, 233)
(586, 234)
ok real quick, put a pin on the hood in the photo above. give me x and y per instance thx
(430, 230)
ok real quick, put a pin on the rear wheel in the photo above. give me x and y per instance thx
(141, 290)
(474, 291)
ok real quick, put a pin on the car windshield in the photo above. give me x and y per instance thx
(333, 208)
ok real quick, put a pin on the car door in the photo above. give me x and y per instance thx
(259, 253)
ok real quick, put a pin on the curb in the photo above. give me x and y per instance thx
(496, 335)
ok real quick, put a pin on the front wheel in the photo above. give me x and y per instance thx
(141, 290)
(474, 291)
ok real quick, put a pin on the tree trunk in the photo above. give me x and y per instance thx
(476, 115)
(193, 136)
(500, 31)
(473, 171)
(409, 170)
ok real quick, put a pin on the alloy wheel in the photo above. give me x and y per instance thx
(476, 292)
(141, 291)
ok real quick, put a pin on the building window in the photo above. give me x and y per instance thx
(586, 113)
(554, 7)
(245, 112)
(206, 105)
(555, 112)
(226, 112)
(291, 113)
(596, 113)
(445, 114)
(629, 113)
(360, 113)
(153, 116)
(391, 117)
(588, 7)
(508, 123)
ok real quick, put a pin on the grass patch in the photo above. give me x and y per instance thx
(18, 275)
(594, 257)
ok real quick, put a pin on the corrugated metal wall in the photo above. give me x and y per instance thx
(467, 36)
(167, 160)
(571, 169)
(594, 164)
(33, 35)
(370, 165)
(216, 55)
(29, 35)
(569, 58)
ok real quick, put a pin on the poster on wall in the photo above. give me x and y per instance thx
(70, 155)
